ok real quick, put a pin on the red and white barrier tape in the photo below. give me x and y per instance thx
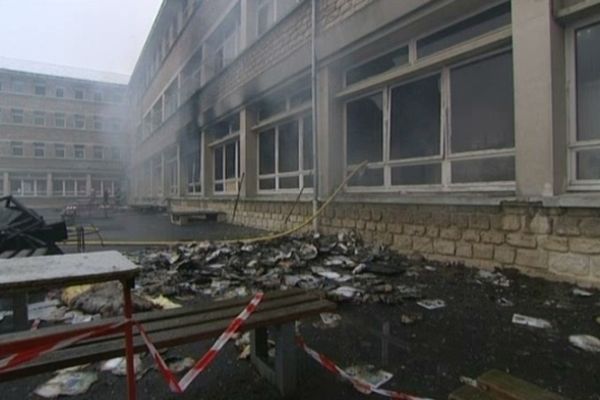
(360, 385)
(27, 350)
(188, 378)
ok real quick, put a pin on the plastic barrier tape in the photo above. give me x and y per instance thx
(358, 384)
(188, 378)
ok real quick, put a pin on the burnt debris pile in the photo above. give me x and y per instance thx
(341, 266)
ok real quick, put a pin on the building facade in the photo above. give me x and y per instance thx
(478, 122)
(61, 138)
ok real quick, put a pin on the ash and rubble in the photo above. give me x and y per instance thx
(342, 266)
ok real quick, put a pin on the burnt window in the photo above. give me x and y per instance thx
(378, 65)
(364, 124)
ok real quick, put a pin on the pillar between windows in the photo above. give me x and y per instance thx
(539, 84)
(330, 132)
(248, 153)
(49, 186)
(207, 166)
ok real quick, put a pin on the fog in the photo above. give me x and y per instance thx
(101, 35)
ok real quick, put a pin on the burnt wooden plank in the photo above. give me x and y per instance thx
(7, 254)
(151, 316)
(23, 253)
(507, 387)
(470, 393)
(170, 338)
(212, 316)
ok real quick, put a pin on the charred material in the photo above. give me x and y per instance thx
(22, 228)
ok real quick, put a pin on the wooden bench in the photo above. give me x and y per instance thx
(186, 216)
(498, 385)
(276, 315)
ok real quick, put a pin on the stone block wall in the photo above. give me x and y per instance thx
(557, 243)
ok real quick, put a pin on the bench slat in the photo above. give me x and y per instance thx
(151, 316)
(168, 338)
(212, 316)
(505, 386)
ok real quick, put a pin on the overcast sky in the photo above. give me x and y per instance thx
(103, 35)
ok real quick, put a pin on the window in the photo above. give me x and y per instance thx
(40, 89)
(18, 86)
(228, 50)
(59, 120)
(115, 153)
(17, 115)
(98, 96)
(478, 128)
(171, 99)
(147, 125)
(39, 149)
(79, 94)
(16, 149)
(39, 118)
(265, 16)
(285, 155)
(292, 97)
(98, 152)
(97, 123)
(60, 92)
(226, 167)
(22, 186)
(115, 125)
(41, 187)
(79, 121)
(487, 21)
(585, 128)
(117, 97)
(157, 117)
(59, 150)
(79, 151)
(378, 65)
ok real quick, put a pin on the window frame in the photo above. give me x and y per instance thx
(17, 145)
(301, 172)
(222, 144)
(39, 146)
(573, 145)
(446, 157)
(75, 148)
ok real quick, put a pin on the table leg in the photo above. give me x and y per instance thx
(128, 311)
(20, 312)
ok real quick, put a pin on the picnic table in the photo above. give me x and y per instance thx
(22, 275)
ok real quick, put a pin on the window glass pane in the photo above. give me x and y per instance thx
(41, 187)
(289, 182)
(588, 164)
(415, 130)
(364, 125)
(377, 66)
(477, 25)
(288, 147)
(368, 177)
(218, 187)
(219, 163)
(307, 143)
(482, 106)
(308, 181)
(484, 170)
(267, 152)
(230, 160)
(266, 184)
(429, 174)
(588, 83)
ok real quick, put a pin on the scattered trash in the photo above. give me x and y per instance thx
(468, 381)
(67, 384)
(345, 292)
(105, 299)
(433, 304)
(495, 278)
(530, 321)
(118, 366)
(164, 303)
(586, 342)
(179, 364)
(410, 318)
(328, 321)
(581, 293)
(504, 302)
(430, 268)
(368, 373)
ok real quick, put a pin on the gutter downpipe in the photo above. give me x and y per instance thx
(315, 202)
